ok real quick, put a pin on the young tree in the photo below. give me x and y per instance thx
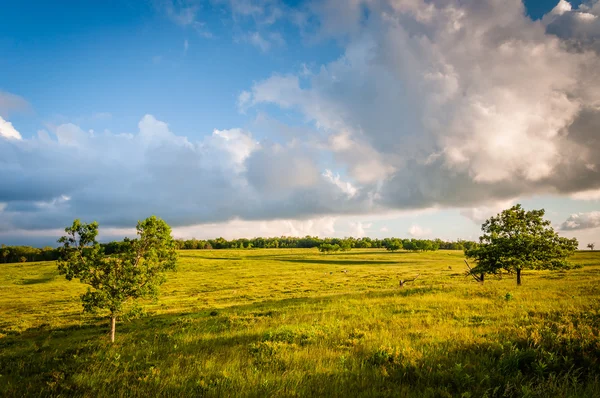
(517, 239)
(591, 246)
(134, 272)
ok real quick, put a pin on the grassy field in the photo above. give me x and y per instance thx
(287, 322)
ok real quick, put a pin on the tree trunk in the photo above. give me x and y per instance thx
(518, 277)
(482, 278)
(113, 326)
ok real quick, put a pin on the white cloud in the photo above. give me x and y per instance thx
(237, 143)
(481, 213)
(235, 229)
(263, 12)
(243, 100)
(119, 178)
(561, 8)
(581, 221)
(184, 14)
(7, 130)
(417, 231)
(345, 186)
(10, 103)
(257, 40)
(593, 194)
(181, 15)
(578, 27)
(450, 103)
(358, 229)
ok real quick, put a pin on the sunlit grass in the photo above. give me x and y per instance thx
(290, 322)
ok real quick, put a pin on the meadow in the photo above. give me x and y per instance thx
(295, 322)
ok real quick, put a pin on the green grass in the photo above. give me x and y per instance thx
(287, 322)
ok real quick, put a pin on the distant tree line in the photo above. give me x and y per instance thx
(13, 254)
(325, 244)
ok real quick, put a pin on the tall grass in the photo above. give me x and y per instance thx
(287, 322)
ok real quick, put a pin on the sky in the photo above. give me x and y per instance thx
(244, 118)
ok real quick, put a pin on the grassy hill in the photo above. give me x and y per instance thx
(293, 322)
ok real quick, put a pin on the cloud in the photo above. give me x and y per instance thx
(578, 27)
(432, 104)
(184, 14)
(344, 186)
(260, 22)
(481, 213)
(449, 104)
(262, 42)
(593, 194)
(581, 221)
(10, 103)
(234, 229)
(7, 130)
(181, 14)
(418, 231)
(358, 229)
(243, 99)
(257, 40)
(263, 12)
(118, 179)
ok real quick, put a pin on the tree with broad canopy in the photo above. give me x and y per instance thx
(135, 271)
(517, 239)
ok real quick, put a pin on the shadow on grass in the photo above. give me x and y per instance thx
(242, 257)
(49, 277)
(328, 261)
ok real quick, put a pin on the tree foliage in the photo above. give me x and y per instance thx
(135, 271)
(328, 248)
(517, 239)
(394, 245)
(13, 254)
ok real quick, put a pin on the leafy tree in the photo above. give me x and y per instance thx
(591, 246)
(394, 245)
(363, 243)
(135, 271)
(517, 239)
(22, 259)
(5, 254)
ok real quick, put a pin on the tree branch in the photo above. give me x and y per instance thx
(478, 279)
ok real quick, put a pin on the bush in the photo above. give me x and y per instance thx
(327, 247)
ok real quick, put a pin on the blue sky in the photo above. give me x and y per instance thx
(265, 117)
